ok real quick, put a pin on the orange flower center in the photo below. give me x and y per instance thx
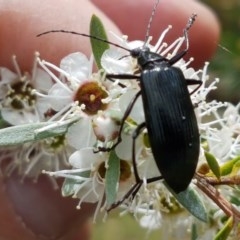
(91, 94)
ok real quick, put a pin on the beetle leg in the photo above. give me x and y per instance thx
(112, 77)
(122, 76)
(180, 55)
(194, 82)
(135, 188)
(125, 116)
(135, 134)
(177, 57)
(119, 84)
(139, 181)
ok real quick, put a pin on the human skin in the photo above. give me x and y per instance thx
(51, 215)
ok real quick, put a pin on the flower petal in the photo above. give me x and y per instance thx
(83, 159)
(80, 134)
(77, 65)
(137, 113)
(113, 61)
(18, 117)
(43, 81)
(60, 97)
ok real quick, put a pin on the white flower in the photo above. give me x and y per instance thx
(30, 159)
(86, 160)
(92, 189)
(220, 130)
(93, 96)
(224, 138)
(97, 163)
(76, 85)
(99, 102)
(115, 61)
(18, 102)
(20, 105)
(137, 113)
(152, 220)
(106, 127)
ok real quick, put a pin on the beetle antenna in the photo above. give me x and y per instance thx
(190, 22)
(84, 35)
(150, 21)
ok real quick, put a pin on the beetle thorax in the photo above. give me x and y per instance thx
(146, 58)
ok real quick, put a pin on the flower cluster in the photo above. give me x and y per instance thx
(74, 119)
(20, 106)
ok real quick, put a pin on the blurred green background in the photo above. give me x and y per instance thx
(226, 63)
(122, 228)
(226, 66)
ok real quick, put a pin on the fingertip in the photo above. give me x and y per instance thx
(132, 17)
(11, 226)
(20, 28)
(36, 210)
(204, 35)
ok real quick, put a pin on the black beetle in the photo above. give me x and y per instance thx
(170, 119)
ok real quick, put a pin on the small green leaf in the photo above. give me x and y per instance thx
(29, 132)
(213, 164)
(3, 123)
(98, 46)
(19, 134)
(227, 167)
(235, 200)
(192, 202)
(71, 186)
(194, 235)
(55, 128)
(146, 140)
(235, 169)
(112, 177)
(225, 231)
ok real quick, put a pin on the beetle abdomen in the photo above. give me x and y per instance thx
(171, 124)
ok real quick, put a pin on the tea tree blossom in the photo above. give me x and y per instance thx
(30, 159)
(98, 166)
(95, 98)
(224, 139)
(92, 188)
(18, 103)
(121, 101)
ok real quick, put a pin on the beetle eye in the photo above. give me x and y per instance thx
(136, 52)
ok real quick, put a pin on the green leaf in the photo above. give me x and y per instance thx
(98, 46)
(192, 202)
(19, 134)
(194, 235)
(235, 200)
(33, 131)
(146, 140)
(235, 169)
(227, 167)
(213, 164)
(3, 123)
(225, 231)
(112, 177)
(71, 186)
(55, 128)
